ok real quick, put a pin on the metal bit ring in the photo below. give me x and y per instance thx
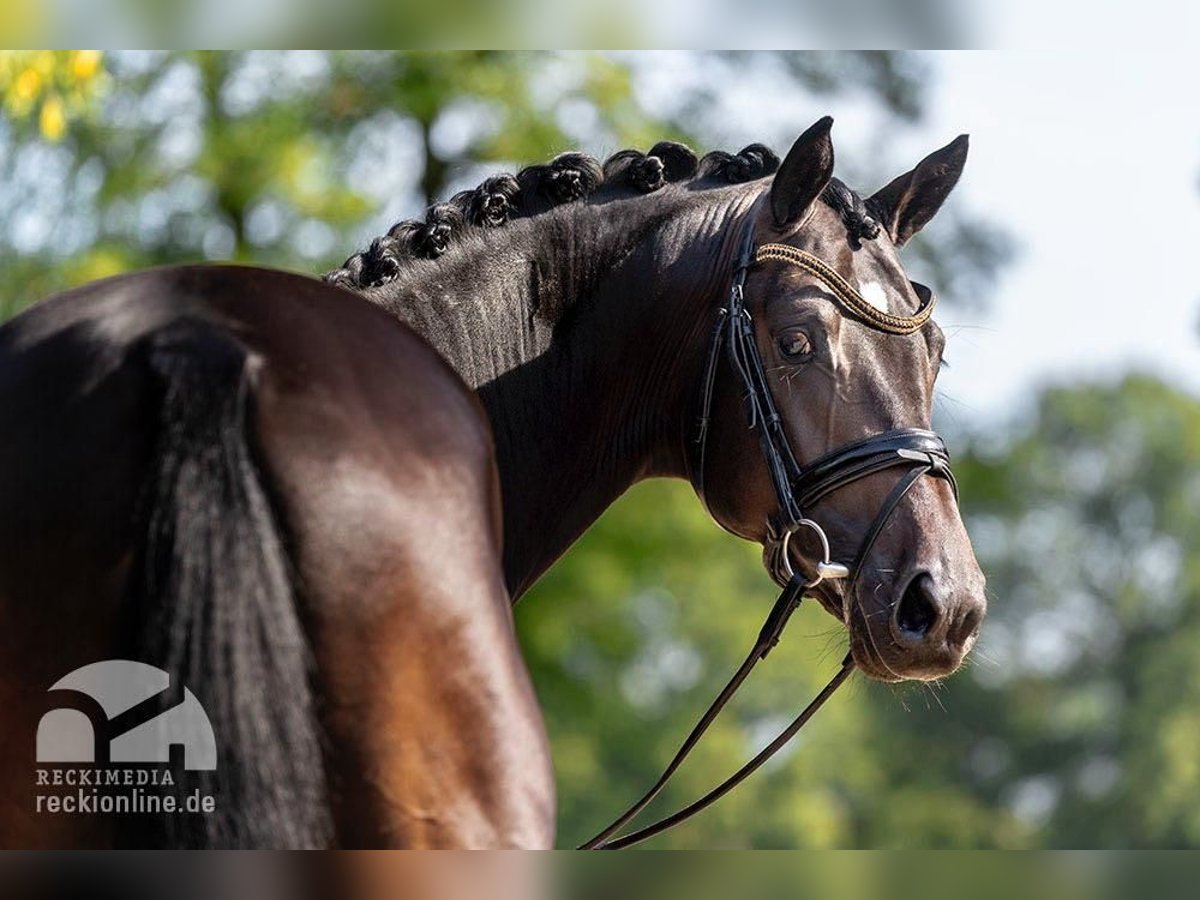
(826, 568)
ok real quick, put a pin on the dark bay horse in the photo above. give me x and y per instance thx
(313, 504)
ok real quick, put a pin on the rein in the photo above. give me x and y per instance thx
(797, 488)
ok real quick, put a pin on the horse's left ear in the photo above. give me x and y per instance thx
(910, 201)
(804, 173)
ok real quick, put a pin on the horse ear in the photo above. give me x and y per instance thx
(905, 205)
(804, 174)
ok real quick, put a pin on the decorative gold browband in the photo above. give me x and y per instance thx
(850, 299)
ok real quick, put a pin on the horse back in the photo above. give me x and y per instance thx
(78, 414)
(357, 425)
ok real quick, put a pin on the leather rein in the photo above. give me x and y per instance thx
(797, 488)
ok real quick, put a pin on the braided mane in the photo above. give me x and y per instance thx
(565, 179)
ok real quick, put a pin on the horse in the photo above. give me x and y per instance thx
(313, 503)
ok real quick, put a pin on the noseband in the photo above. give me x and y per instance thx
(797, 489)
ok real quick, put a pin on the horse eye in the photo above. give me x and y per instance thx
(795, 345)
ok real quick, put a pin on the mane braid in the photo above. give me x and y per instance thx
(854, 212)
(567, 178)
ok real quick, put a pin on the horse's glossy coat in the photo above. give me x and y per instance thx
(411, 474)
(391, 513)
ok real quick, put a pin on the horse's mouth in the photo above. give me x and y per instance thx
(869, 661)
(838, 600)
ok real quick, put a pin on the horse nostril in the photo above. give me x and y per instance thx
(918, 611)
(967, 625)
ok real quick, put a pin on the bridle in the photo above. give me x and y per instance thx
(797, 488)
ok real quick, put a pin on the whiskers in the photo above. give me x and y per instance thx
(980, 656)
(883, 610)
(932, 688)
(870, 633)
(833, 648)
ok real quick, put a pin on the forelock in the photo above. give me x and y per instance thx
(852, 210)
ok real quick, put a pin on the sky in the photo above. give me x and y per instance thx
(1116, 26)
(1091, 160)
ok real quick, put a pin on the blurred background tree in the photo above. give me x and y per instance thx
(1076, 726)
(294, 159)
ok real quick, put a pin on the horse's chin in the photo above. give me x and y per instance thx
(868, 661)
(833, 596)
(899, 666)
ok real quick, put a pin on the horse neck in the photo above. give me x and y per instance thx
(583, 331)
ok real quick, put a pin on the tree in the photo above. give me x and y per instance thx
(294, 159)
(1090, 528)
(1075, 726)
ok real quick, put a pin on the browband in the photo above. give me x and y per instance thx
(851, 300)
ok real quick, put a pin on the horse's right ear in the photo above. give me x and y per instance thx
(804, 174)
(906, 204)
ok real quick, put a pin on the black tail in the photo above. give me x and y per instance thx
(216, 607)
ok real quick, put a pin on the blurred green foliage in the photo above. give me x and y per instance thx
(1078, 723)
(288, 159)
(295, 159)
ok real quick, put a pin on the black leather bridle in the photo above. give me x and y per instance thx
(797, 488)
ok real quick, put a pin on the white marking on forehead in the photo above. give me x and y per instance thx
(873, 293)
